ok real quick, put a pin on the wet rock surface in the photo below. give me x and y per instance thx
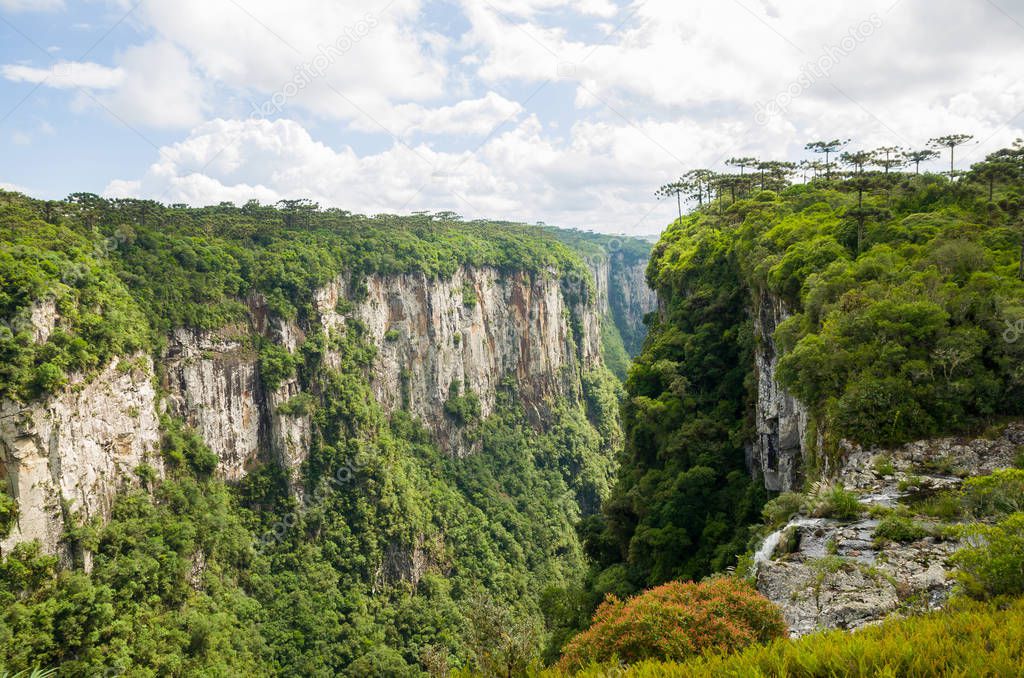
(826, 573)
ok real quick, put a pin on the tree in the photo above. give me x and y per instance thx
(950, 141)
(828, 148)
(676, 188)
(742, 163)
(858, 160)
(917, 157)
(699, 181)
(676, 621)
(295, 211)
(888, 157)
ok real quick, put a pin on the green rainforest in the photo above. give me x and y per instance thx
(389, 555)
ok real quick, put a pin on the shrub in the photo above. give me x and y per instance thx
(276, 365)
(945, 506)
(779, 510)
(8, 513)
(184, 448)
(1000, 493)
(898, 528)
(969, 639)
(392, 335)
(469, 299)
(994, 564)
(883, 466)
(298, 405)
(464, 409)
(836, 502)
(675, 621)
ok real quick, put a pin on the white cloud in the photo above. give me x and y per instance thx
(66, 75)
(597, 178)
(5, 186)
(470, 117)
(642, 90)
(158, 88)
(336, 58)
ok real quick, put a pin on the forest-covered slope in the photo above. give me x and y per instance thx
(259, 440)
(896, 305)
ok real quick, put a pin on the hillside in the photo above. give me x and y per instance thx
(293, 440)
(874, 310)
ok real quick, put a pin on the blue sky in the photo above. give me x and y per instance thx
(569, 112)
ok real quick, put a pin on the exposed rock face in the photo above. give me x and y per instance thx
(474, 330)
(622, 293)
(780, 419)
(630, 299)
(212, 381)
(68, 455)
(836, 576)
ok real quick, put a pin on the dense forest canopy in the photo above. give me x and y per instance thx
(193, 575)
(906, 295)
(188, 267)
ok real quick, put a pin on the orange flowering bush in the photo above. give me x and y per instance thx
(675, 621)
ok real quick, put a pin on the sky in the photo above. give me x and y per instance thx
(567, 112)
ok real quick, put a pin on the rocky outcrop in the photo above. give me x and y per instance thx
(212, 383)
(826, 573)
(440, 338)
(66, 457)
(780, 419)
(622, 294)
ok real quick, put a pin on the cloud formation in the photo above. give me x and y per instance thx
(567, 111)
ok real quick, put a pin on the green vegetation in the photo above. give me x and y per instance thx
(123, 273)
(994, 564)
(396, 553)
(676, 621)
(997, 494)
(899, 528)
(684, 500)
(463, 408)
(900, 289)
(834, 501)
(8, 513)
(778, 511)
(972, 639)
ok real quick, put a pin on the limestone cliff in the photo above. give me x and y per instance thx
(780, 420)
(65, 457)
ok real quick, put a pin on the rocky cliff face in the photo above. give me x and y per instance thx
(466, 334)
(66, 457)
(780, 419)
(623, 295)
(630, 299)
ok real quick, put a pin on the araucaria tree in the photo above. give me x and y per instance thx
(828, 148)
(676, 188)
(917, 157)
(950, 141)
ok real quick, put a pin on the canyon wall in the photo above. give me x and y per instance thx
(780, 420)
(64, 458)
